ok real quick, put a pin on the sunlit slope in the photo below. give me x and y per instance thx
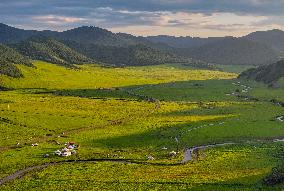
(50, 76)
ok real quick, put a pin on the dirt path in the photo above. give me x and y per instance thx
(23, 172)
(188, 156)
(189, 152)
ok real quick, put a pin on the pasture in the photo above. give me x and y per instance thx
(122, 116)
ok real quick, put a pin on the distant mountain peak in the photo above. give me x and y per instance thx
(273, 38)
(87, 29)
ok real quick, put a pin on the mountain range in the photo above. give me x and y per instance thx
(235, 51)
(93, 44)
(85, 45)
(257, 48)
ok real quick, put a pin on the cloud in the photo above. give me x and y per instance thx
(198, 24)
(54, 19)
(179, 17)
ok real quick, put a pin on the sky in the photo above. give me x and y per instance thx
(197, 18)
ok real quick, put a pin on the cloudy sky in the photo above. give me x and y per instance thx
(148, 17)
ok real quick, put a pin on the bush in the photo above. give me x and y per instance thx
(276, 176)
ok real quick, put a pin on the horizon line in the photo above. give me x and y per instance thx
(109, 30)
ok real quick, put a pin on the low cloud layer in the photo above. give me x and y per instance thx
(148, 17)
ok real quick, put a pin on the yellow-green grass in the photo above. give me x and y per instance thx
(146, 131)
(234, 68)
(196, 113)
(268, 93)
(231, 168)
(43, 118)
(194, 90)
(50, 76)
(26, 117)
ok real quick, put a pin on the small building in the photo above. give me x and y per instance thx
(69, 149)
(66, 154)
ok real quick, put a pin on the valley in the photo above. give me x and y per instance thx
(135, 126)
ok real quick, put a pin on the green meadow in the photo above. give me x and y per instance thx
(50, 76)
(121, 116)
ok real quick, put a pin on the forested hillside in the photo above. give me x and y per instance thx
(50, 50)
(117, 49)
(8, 59)
(134, 55)
(88, 43)
(93, 43)
(273, 38)
(257, 48)
(10, 34)
(183, 42)
(235, 51)
(269, 74)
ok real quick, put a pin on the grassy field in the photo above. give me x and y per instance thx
(121, 116)
(51, 76)
(234, 68)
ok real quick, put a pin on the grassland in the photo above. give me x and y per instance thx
(234, 68)
(122, 115)
(220, 170)
(50, 76)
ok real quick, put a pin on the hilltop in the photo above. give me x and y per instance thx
(10, 34)
(273, 38)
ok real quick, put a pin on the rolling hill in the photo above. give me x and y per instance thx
(117, 49)
(50, 50)
(84, 44)
(182, 42)
(257, 48)
(93, 42)
(235, 51)
(134, 55)
(269, 74)
(273, 38)
(95, 35)
(10, 34)
(8, 58)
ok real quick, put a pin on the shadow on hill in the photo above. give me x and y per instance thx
(95, 93)
(184, 91)
(102, 93)
(151, 139)
(192, 91)
(171, 136)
